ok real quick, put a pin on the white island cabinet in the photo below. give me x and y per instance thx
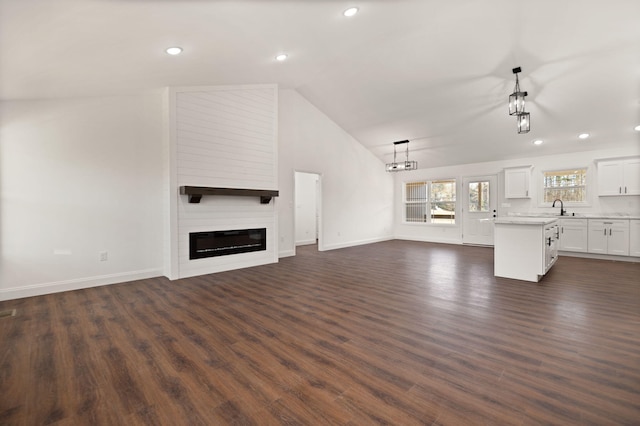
(525, 247)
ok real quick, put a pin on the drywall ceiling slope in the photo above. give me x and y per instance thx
(437, 73)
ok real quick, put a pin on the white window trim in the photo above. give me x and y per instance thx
(588, 187)
(457, 216)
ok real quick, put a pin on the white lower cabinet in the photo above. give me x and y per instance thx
(634, 237)
(609, 237)
(574, 235)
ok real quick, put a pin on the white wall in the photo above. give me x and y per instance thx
(629, 205)
(357, 194)
(306, 192)
(83, 176)
(78, 177)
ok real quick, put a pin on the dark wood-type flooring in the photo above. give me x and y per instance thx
(395, 333)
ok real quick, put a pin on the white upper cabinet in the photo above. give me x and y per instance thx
(632, 176)
(619, 177)
(517, 182)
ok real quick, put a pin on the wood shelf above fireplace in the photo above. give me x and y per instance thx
(195, 193)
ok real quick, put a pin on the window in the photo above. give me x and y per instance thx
(430, 201)
(479, 196)
(566, 185)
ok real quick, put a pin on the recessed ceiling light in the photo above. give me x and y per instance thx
(351, 11)
(537, 142)
(583, 135)
(637, 128)
(174, 50)
(282, 57)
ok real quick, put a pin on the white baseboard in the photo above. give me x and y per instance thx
(76, 284)
(429, 240)
(354, 243)
(600, 256)
(286, 253)
(306, 242)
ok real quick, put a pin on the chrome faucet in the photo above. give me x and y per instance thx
(562, 210)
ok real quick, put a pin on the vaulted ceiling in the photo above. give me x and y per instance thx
(436, 72)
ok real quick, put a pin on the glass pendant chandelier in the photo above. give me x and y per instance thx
(403, 165)
(516, 105)
(516, 99)
(524, 122)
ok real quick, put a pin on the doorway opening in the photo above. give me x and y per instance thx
(307, 209)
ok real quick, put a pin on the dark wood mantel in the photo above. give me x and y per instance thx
(195, 193)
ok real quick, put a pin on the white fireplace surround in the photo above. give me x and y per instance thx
(221, 137)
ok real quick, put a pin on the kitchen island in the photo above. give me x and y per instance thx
(525, 247)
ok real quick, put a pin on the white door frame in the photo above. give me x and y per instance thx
(318, 209)
(478, 228)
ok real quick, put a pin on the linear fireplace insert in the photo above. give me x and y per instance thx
(222, 243)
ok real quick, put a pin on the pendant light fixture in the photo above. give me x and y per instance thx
(404, 165)
(517, 103)
(516, 99)
(524, 122)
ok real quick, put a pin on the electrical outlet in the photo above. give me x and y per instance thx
(104, 256)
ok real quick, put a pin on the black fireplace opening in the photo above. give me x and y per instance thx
(222, 243)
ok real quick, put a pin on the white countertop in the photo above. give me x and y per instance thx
(577, 216)
(518, 220)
